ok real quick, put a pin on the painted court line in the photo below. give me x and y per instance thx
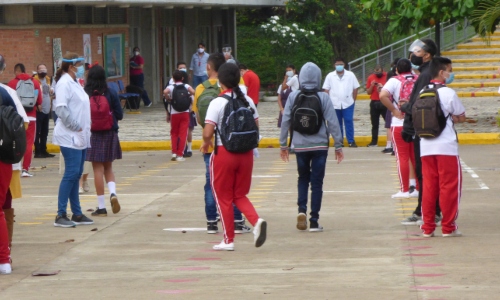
(473, 174)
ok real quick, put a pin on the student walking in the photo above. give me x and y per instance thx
(104, 138)
(311, 149)
(441, 170)
(72, 134)
(231, 172)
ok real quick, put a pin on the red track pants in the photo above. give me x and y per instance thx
(404, 154)
(179, 124)
(30, 140)
(442, 176)
(5, 176)
(231, 177)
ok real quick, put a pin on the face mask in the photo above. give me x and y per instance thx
(205, 73)
(450, 79)
(42, 74)
(417, 60)
(227, 53)
(182, 70)
(201, 50)
(80, 71)
(289, 73)
(339, 69)
(379, 75)
(136, 53)
(414, 67)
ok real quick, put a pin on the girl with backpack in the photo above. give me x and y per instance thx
(105, 104)
(231, 172)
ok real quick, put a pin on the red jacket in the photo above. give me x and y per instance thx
(23, 76)
(252, 82)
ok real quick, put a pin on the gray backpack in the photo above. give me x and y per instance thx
(26, 92)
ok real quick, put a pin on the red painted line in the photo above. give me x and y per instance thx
(430, 287)
(415, 239)
(494, 76)
(419, 254)
(213, 242)
(204, 258)
(427, 265)
(426, 275)
(473, 94)
(208, 250)
(173, 291)
(412, 233)
(192, 268)
(182, 280)
(482, 84)
(415, 247)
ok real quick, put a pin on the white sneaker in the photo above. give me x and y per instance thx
(174, 156)
(414, 194)
(25, 173)
(454, 233)
(428, 235)
(401, 194)
(259, 232)
(224, 247)
(180, 158)
(86, 186)
(5, 269)
(81, 191)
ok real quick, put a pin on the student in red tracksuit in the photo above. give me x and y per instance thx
(20, 72)
(231, 173)
(441, 168)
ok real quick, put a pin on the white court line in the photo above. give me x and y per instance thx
(473, 174)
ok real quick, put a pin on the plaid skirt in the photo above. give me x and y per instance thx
(105, 146)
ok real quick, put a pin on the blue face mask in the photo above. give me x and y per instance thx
(414, 67)
(339, 69)
(450, 79)
(80, 71)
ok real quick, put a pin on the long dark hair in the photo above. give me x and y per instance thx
(229, 76)
(96, 80)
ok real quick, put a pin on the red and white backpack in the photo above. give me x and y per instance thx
(407, 83)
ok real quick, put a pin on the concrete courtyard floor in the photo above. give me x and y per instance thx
(364, 252)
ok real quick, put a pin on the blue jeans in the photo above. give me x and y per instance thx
(198, 80)
(311, 167)
(346, 116)
(138, 80)
(210, 207)
(70, 183)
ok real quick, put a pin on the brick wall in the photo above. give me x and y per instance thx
(33, 46)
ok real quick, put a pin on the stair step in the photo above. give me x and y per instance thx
(474, 68)
(468, 60)
(479, 39)
(470, 52)
(479, 45)
(469, 84)
(477, 76)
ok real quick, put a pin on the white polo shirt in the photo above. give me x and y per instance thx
(71, 94)
(170, 89)
(341, 88)
(393, 86)
(446, 143)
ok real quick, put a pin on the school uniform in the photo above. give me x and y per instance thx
(230, 173)
(179, 124)
(441, 170)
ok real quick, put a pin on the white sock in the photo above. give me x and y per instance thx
(112, 187)
(189, 146)
(413, 182)
(101, 201)
(389, 144)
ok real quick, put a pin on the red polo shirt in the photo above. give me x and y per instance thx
(382, 80)
(252, 83)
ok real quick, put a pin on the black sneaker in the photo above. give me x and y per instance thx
(63, 221)
(240, 227)
(100, 212)
(212, 227)
(372, 144)
(39, 155)
(353, 145)
(81, 220)
(188, 154)
(47, 154)
(315, 227)
(411, 189)
(115, 205)
(387, 151)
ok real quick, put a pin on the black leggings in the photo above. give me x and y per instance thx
(418, 174)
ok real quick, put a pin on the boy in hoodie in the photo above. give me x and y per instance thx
(20, 72)
(311, 150)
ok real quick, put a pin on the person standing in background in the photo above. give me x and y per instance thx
(136, 63)
(373, 85)
(43, 116)
(198, 66)
(252, 81)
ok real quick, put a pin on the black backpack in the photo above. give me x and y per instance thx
(12, 135)
(238, 132)
(307, 112)
(181, 100)
(427, 115)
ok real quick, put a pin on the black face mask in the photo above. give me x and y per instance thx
(417, 60)
(379, 75)
(42, 75)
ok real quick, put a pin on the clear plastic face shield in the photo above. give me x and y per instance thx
(74, 61)
(226, 49)
(417, 47)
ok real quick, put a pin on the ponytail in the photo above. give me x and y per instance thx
(241, 96)
(58, 74)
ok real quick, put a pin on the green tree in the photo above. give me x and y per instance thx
(486, 17)
(408, 16)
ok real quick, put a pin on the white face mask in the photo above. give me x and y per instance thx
(201, 50)
(136, 53)
(183, 69)
(289, 73)
(227, 53)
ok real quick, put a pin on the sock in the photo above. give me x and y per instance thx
(112, 187)
(101, 201)
(389, 144)
(413, 182)
(189, 144)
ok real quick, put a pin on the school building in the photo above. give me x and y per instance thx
(167, 31)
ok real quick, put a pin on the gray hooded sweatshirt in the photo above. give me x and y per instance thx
(310, 78)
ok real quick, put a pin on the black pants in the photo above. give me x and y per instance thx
(377, 110)
(42, 131)
(418, 174)
(138, 80)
